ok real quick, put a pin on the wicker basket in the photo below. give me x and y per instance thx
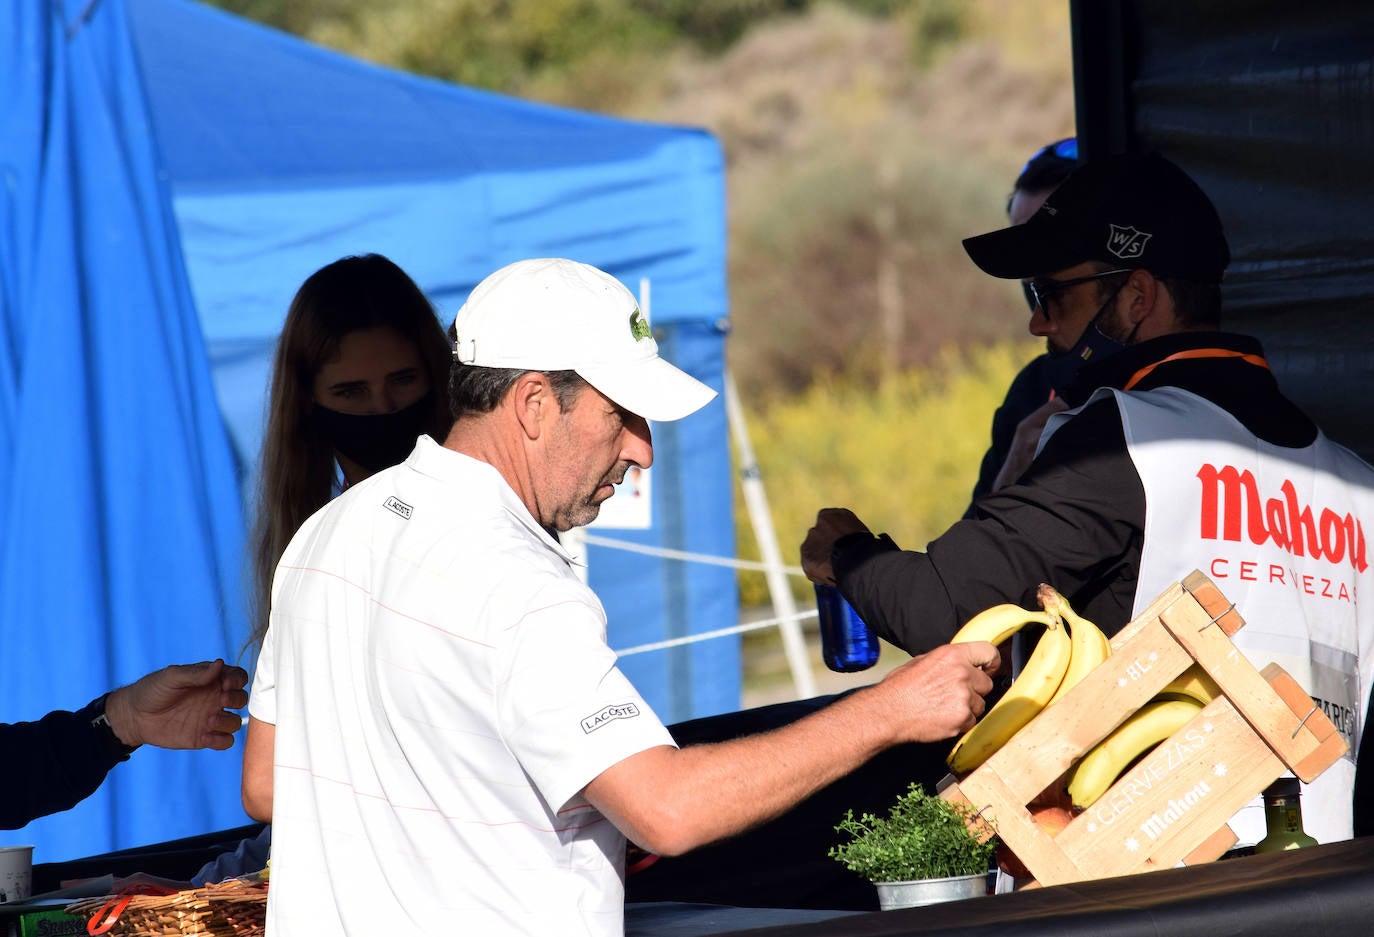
(228, 909)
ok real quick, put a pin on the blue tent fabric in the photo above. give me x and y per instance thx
(172, 173)
(115, 458)
(283, 156)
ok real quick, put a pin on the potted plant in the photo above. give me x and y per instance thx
(924, 851)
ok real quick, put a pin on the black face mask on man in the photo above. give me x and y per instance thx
(1092, 346)
(375, 440)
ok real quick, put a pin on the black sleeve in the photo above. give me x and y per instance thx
(1074, 520)
(1028, 390)
(1364, 778)
(53, 764)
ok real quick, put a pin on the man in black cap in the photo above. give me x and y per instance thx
(1180, 453)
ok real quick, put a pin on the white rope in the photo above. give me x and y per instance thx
(708, 559)
(718, 633)
(689, 557)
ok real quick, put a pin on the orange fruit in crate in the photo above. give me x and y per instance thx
(1050, 819)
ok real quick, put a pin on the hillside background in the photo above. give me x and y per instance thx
(863, 140)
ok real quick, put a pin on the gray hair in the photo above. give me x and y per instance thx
(474, 389)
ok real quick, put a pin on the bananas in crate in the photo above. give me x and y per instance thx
(1068, 650)
(1070, 647)
(1171, 708)
(1095, 772)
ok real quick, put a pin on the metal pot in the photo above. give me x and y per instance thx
(893, 895)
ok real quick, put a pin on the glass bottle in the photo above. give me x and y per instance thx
(847, 643)
(1283, 818)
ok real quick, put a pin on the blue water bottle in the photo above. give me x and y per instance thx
(847, 644)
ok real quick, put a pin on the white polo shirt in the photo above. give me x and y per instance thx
(442, 691)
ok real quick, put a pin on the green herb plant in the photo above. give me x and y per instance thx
(922, 837)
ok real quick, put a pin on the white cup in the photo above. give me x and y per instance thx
(16, 872)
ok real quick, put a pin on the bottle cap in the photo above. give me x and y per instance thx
(1283, 787)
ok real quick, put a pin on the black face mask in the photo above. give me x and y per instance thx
(1093, 345)
(377, 440)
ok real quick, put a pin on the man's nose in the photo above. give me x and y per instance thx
(637, 443)
(1040, 324)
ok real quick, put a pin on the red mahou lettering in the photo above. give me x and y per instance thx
(1231, 500)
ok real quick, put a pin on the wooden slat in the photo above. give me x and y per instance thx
(1330, 745)
(1213, 847)
(986, 790)
(1149, 616)
(1216, 605)
(1273, 719)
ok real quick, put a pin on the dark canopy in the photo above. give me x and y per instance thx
(1269, 104)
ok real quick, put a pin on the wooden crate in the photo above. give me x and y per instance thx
(1172, 806)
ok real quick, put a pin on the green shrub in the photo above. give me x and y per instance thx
(903, 453)
(921, 837)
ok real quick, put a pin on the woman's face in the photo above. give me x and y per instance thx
(376, 371)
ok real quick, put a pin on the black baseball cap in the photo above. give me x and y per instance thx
(1129, 211)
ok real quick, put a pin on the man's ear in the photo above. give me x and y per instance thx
(1142, 293)
(531, 399)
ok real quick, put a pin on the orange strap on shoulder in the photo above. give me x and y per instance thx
(1140, 375)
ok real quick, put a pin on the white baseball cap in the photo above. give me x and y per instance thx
(551, 314)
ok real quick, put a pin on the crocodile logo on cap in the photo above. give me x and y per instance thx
(639, 327)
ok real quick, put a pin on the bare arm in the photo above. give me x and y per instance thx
(670, 801)
(258, 749)
(181, 706)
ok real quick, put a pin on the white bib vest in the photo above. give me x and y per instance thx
(1280, 531)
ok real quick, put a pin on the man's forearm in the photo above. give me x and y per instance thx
(669, 801)
(707, 792)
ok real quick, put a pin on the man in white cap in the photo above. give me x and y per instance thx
(439, 734)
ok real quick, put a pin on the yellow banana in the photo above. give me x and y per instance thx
(1027, 695)
(1154, 722)
(1194, 683)
(1090, 645)
(998, 623)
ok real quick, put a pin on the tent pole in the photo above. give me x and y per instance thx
(784, 606)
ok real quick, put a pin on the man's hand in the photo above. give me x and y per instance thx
(181, 706)
(831, 525)
(1025, 441)
(940, 694)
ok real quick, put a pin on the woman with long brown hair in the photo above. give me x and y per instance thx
(361, 370)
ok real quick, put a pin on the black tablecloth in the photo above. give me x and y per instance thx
(1323, 891)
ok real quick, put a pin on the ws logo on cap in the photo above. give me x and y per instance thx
(1127, 242)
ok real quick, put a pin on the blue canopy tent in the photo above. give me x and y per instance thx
(172, 174)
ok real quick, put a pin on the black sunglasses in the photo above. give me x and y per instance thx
(1039, 291)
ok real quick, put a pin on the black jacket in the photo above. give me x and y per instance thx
(1074, 520)
(1028, 391)
(53, 764)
